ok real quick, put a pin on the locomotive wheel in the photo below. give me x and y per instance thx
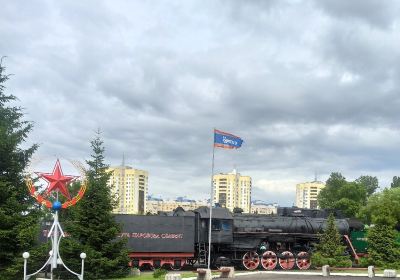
(287, 260)
(146, 266)
(251, 260)
(269, 260)
(176, 266)
(303, 260)
(157, 264)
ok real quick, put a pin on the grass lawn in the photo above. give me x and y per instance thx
(149, 276)
(335, 270)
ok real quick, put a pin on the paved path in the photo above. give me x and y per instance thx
(298, 275)
(280, 276)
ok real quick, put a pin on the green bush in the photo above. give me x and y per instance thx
(318, 260)
(384, 265)
(160, 272)
(364, 262)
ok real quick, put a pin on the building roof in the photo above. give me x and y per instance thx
(181, 212)
(217, 213)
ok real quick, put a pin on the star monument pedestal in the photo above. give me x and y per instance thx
(57, 182)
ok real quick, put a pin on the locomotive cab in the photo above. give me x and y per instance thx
(221, 225)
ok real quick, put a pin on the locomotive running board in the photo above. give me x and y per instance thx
(155, 254)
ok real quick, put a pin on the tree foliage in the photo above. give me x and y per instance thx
(92, 225)
(18, 216)
(343, 195)
(383, 212)
(370, 183)
(396, 182)
(382, 208)
(330, 249)
(383, 250)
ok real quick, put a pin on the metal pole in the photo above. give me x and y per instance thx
(211, 203)
(25, 263)
(55, 243)
(54, 249)
(83, 268)
(56, 233)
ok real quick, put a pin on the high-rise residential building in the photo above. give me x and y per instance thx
(307, 193)
(232, 190)
(129, 185)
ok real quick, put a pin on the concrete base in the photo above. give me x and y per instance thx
(326, 270)
(173, 276)
(43, 276)
(203, 274)
(389, 273)
(227, 272)
(134, 272)
(371, 271)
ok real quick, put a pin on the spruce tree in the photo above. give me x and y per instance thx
(383, 250)
(18, 215)
(330, 244)
(330, 249)
(92, 226)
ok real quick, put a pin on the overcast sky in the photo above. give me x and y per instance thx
(310, 86)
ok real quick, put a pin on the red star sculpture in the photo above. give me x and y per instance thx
(57, 180)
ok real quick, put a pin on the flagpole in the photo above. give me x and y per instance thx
(211, 203)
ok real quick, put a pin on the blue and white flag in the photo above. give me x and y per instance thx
(226, 140)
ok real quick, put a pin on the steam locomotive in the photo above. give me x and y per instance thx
(250, 241)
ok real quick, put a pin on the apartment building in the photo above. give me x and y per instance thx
(130, 186)
(232, 190)
(307, 193)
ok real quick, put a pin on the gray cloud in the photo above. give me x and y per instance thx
(372, 12)
(310, 86)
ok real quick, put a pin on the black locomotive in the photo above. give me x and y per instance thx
(247, 240)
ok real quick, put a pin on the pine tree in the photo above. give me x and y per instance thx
(330, 244)
(18, 216)
(330, 249)
(92, 225)
(383, 250)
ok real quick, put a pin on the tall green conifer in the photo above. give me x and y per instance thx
(330, 249)
(383, 250)
(330, 244)
(18, 216)
(92, 226)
